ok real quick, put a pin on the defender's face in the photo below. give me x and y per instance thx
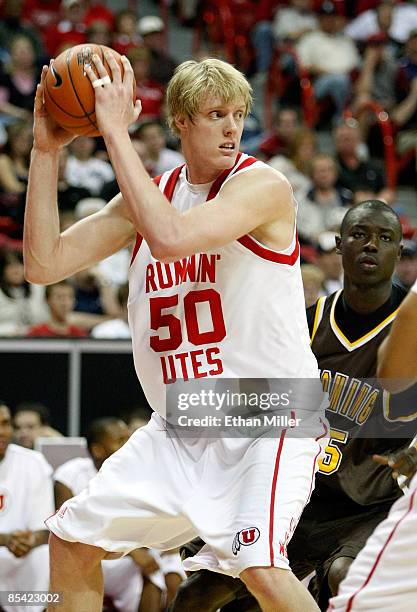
(213, 137)
(370, 247)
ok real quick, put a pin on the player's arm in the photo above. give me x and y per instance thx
(49, 255)
(62, 493)
(397, 355)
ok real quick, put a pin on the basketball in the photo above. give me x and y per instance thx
(69, 95)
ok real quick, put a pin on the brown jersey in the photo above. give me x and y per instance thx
(363, 418)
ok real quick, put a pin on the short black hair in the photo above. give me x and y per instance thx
(144, 126)
(98, 429)
(62, 283)
(373, 205)
(37, 407)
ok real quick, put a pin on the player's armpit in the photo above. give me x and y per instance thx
(82, 245)
(258, 202)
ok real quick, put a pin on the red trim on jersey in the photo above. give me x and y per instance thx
(381, 552)
(251, 244)
(171, 182)
(215, 188)
(273, 492)
(139, 238)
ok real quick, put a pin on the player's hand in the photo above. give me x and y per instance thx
(20, 542)
(402, 463)
(48, 136)
(143, 559)
(114, 108)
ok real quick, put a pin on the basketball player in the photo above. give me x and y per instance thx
(384, 575)
(26, 497)
(352, 493)
(125, 580)
(215, 290)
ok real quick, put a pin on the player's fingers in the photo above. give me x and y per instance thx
(380, 459)
(39, 101)
(91, 74)
(102, 72)
(128, 71)
(137, 110)
(114, 68)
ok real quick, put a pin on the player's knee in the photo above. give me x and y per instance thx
(337, 572)
(266, 582)
(66, 556)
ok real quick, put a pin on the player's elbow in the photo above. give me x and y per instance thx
(167, 250)
(37, 275)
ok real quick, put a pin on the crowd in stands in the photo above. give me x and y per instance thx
(335, 86)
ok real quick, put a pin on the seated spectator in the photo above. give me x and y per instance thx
(396, 19)
(293, 21)
(150, 93)
(404, 114)
(126, 34)
(18, 79)
(313, 279)
(124, 579)
(14, 169)
(31, 421)
(95, 299)
(26, 496)
(323, 207)
(376, 80)
(115, 328)
(330, 263)
(12, 24)
(68, 195)
(330, 56)
(60, 298)
(354, 170)
(158, 157)
(162, 66)
(21, 304)
(406, 268)
(99, 32)
(83, 169)
(70, 29)
(280, 140)
(41, 13)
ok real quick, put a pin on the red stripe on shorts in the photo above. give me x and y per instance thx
(273, 493)
(381, 552)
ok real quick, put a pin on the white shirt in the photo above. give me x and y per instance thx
(327, 53)
(26, 492)
(91, 174)
(288, 20)
(168, 159)
(116, 328)
(76, 473)
(404, 20)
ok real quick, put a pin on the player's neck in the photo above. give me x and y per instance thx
(200, 175)
(364, 299)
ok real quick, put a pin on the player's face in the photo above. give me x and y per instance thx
(6, 430)
(212, 139)
(370, 247)
(27, 425)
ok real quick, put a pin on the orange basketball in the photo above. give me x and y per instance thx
(69, 95)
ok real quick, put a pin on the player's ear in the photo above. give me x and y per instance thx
(338, 240)
(180, 123)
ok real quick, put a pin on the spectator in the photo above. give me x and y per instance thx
(330, 56)
(21, 304)
(323, 207)
(396, 19)
(60, 298)
(41, 13)
(280, 140)
(99, 32)
(293, 21)
(158, 157)
(70, 29)
(68, 195)
(313, 279)
(31, 421)
(406, 269)
(18, 79)
(115, 328)
(404, 113)
(162, 65)
(12, 25)
(123, 578)
(14, 168)
(95, 297)
(26, 496)
(150, 93)
(329, 262)
(354, 170)
(83, 169)
(126, 34)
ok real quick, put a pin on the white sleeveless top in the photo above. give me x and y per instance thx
(236, 312)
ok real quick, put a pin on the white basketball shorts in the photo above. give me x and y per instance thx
(383, 576)
(244, 497)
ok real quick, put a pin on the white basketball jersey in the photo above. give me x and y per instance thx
(236, 312)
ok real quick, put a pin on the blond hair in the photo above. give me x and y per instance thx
(193, 81)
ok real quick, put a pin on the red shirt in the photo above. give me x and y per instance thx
(151, 94)
(43, 330)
